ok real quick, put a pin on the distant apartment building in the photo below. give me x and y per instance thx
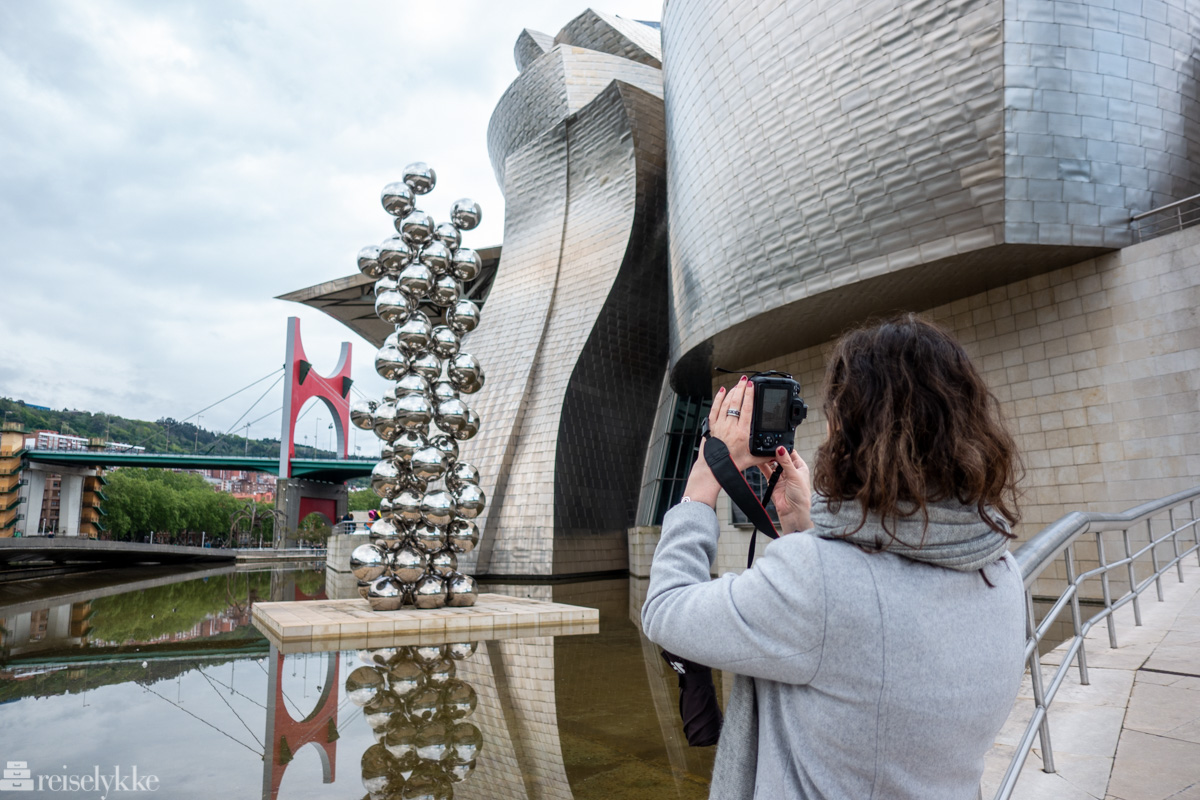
(242, 484)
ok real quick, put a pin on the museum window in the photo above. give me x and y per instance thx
(758, 483)
(682, 445)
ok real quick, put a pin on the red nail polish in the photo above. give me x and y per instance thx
(781, 451)
(743, 377)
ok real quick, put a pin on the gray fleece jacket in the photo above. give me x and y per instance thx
(875, 675)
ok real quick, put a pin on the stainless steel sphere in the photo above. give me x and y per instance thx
(436, 256)
(368, 261)
(465, 742)
(429, 592)
(385, 421)
(407, 443)
(386, 594)
(465, 373)
(462, 590)
(379, 772)
(466, 264)
(444, 390)
(469, 501)
(362, 414)
(457, 773)
(413, 336)
(445, 292)
(397, 199)
(426, 703)
(448, 235)
(464, 317)
(413, 412)
(410, 481)
(405, 676)
(433, 741)
(466, 214)
(443, 562)
(462, 535)
(408, 564)
(416, 228)
(368, 562)
(413, 383)
(429, 463)
(427, 365)
(470, 428)
(390, 363)
(420, 177)
(429, 538)
(406, 506)
(385, 503)
(380, 657)
(449, 447)
(385, 284)
(427, 654)
(461, 473)
(444, 342)
(385, 478)
(415, 280)
(378, 712)
(437, 508)
(441, 672)
(386, 535)
(460, 651)
(363, 684)
(394, 307)
(451, 415)
(458, 699)
(394, 255)
(400, 739)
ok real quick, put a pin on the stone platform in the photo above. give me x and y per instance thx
(320, 625)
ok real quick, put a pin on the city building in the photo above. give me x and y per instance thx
(994, 166)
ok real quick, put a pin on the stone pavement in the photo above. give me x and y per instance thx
(1134, 732)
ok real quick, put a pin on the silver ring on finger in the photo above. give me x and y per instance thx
(733, 412)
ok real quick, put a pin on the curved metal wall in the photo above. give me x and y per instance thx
(833, 158)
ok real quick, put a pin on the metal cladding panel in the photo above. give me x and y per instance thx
(819, 145)
(609, 33)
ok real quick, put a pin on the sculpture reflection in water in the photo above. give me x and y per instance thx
(412, 558)
(417, 709)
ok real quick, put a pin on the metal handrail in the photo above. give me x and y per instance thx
(1177, 222)
(1059, 539)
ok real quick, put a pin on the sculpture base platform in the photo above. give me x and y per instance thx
(321, 625)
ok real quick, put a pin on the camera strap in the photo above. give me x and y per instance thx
(716, 453)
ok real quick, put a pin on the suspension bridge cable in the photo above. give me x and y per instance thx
(232, 427)
(235, 691)
(206, 408)
(206, 722)
(231, 708)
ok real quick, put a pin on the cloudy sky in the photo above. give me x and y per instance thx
(167, 169)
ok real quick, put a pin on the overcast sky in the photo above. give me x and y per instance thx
(167, 169)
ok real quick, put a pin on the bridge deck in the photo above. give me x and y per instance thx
(318, 469)
(1134, 732)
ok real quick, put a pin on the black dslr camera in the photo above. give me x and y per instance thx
(778, 409)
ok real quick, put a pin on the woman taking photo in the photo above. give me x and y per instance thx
(878, 648)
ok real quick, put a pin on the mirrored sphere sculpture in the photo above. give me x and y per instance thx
(428, 497)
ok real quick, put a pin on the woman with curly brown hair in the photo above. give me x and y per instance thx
(878, 652)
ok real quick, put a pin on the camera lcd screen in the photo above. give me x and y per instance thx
(774, 409)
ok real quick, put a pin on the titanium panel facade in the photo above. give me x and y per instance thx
(830, 159)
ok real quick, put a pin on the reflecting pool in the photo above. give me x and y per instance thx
(113, 678)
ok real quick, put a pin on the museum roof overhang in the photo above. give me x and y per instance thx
(351, 300)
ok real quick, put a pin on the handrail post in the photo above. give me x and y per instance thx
(1154, 558)
(1175, 543)
(1137, 607)
(1195, 529)
(1039, 695)
(1076, 622)
(1112, 624)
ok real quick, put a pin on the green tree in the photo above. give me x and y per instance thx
(363, 500)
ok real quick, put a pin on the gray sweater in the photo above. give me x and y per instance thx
(875, 675)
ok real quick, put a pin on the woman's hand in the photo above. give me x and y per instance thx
(793, 492)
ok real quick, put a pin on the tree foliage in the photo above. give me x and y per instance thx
(144, 501)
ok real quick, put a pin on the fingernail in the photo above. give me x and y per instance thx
(781, 451)
(743, 377)
(720, 390)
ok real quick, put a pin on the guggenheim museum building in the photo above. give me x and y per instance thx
(738, 184)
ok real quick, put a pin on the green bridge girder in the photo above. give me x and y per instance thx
(317, 469)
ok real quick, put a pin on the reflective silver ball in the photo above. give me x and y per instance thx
(436, 256)
(466, 214)
(413, 383)
(386, 594)
(430, 592)
(416, 228)
(400, 738)
(448, 445)
(444, 390)
(424, 704)
(429, 538)
(384, 534)
(465, 741)
(408, 564)
(443, 562)
(458, 699)
(385, 478)
(362, 414)
(437, 508)
(385, 284)
(413, 412)
(394, 255)
(457, 773)
(445, 292)
(427, 365)
(429, 464)
(394, 307)
(363, 684)
(397, 199)
(469, 501)
(413, 336)
(385, 421)
(460, 651)
(427, 654)
(406, 506)
(433, 742)
(448, 235)
(462, 535)
(461, 473)
(441, 671)
(444, 342)
(385, 503)
(451, 415)
(465, 373)
(368, 562)
(464, 317)
(368, 261)
(407, 443)
(470, 428)
(390, 363)
(466, 264)
(420, 177)
(405, 676)
(462, 591)
(415, 280)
